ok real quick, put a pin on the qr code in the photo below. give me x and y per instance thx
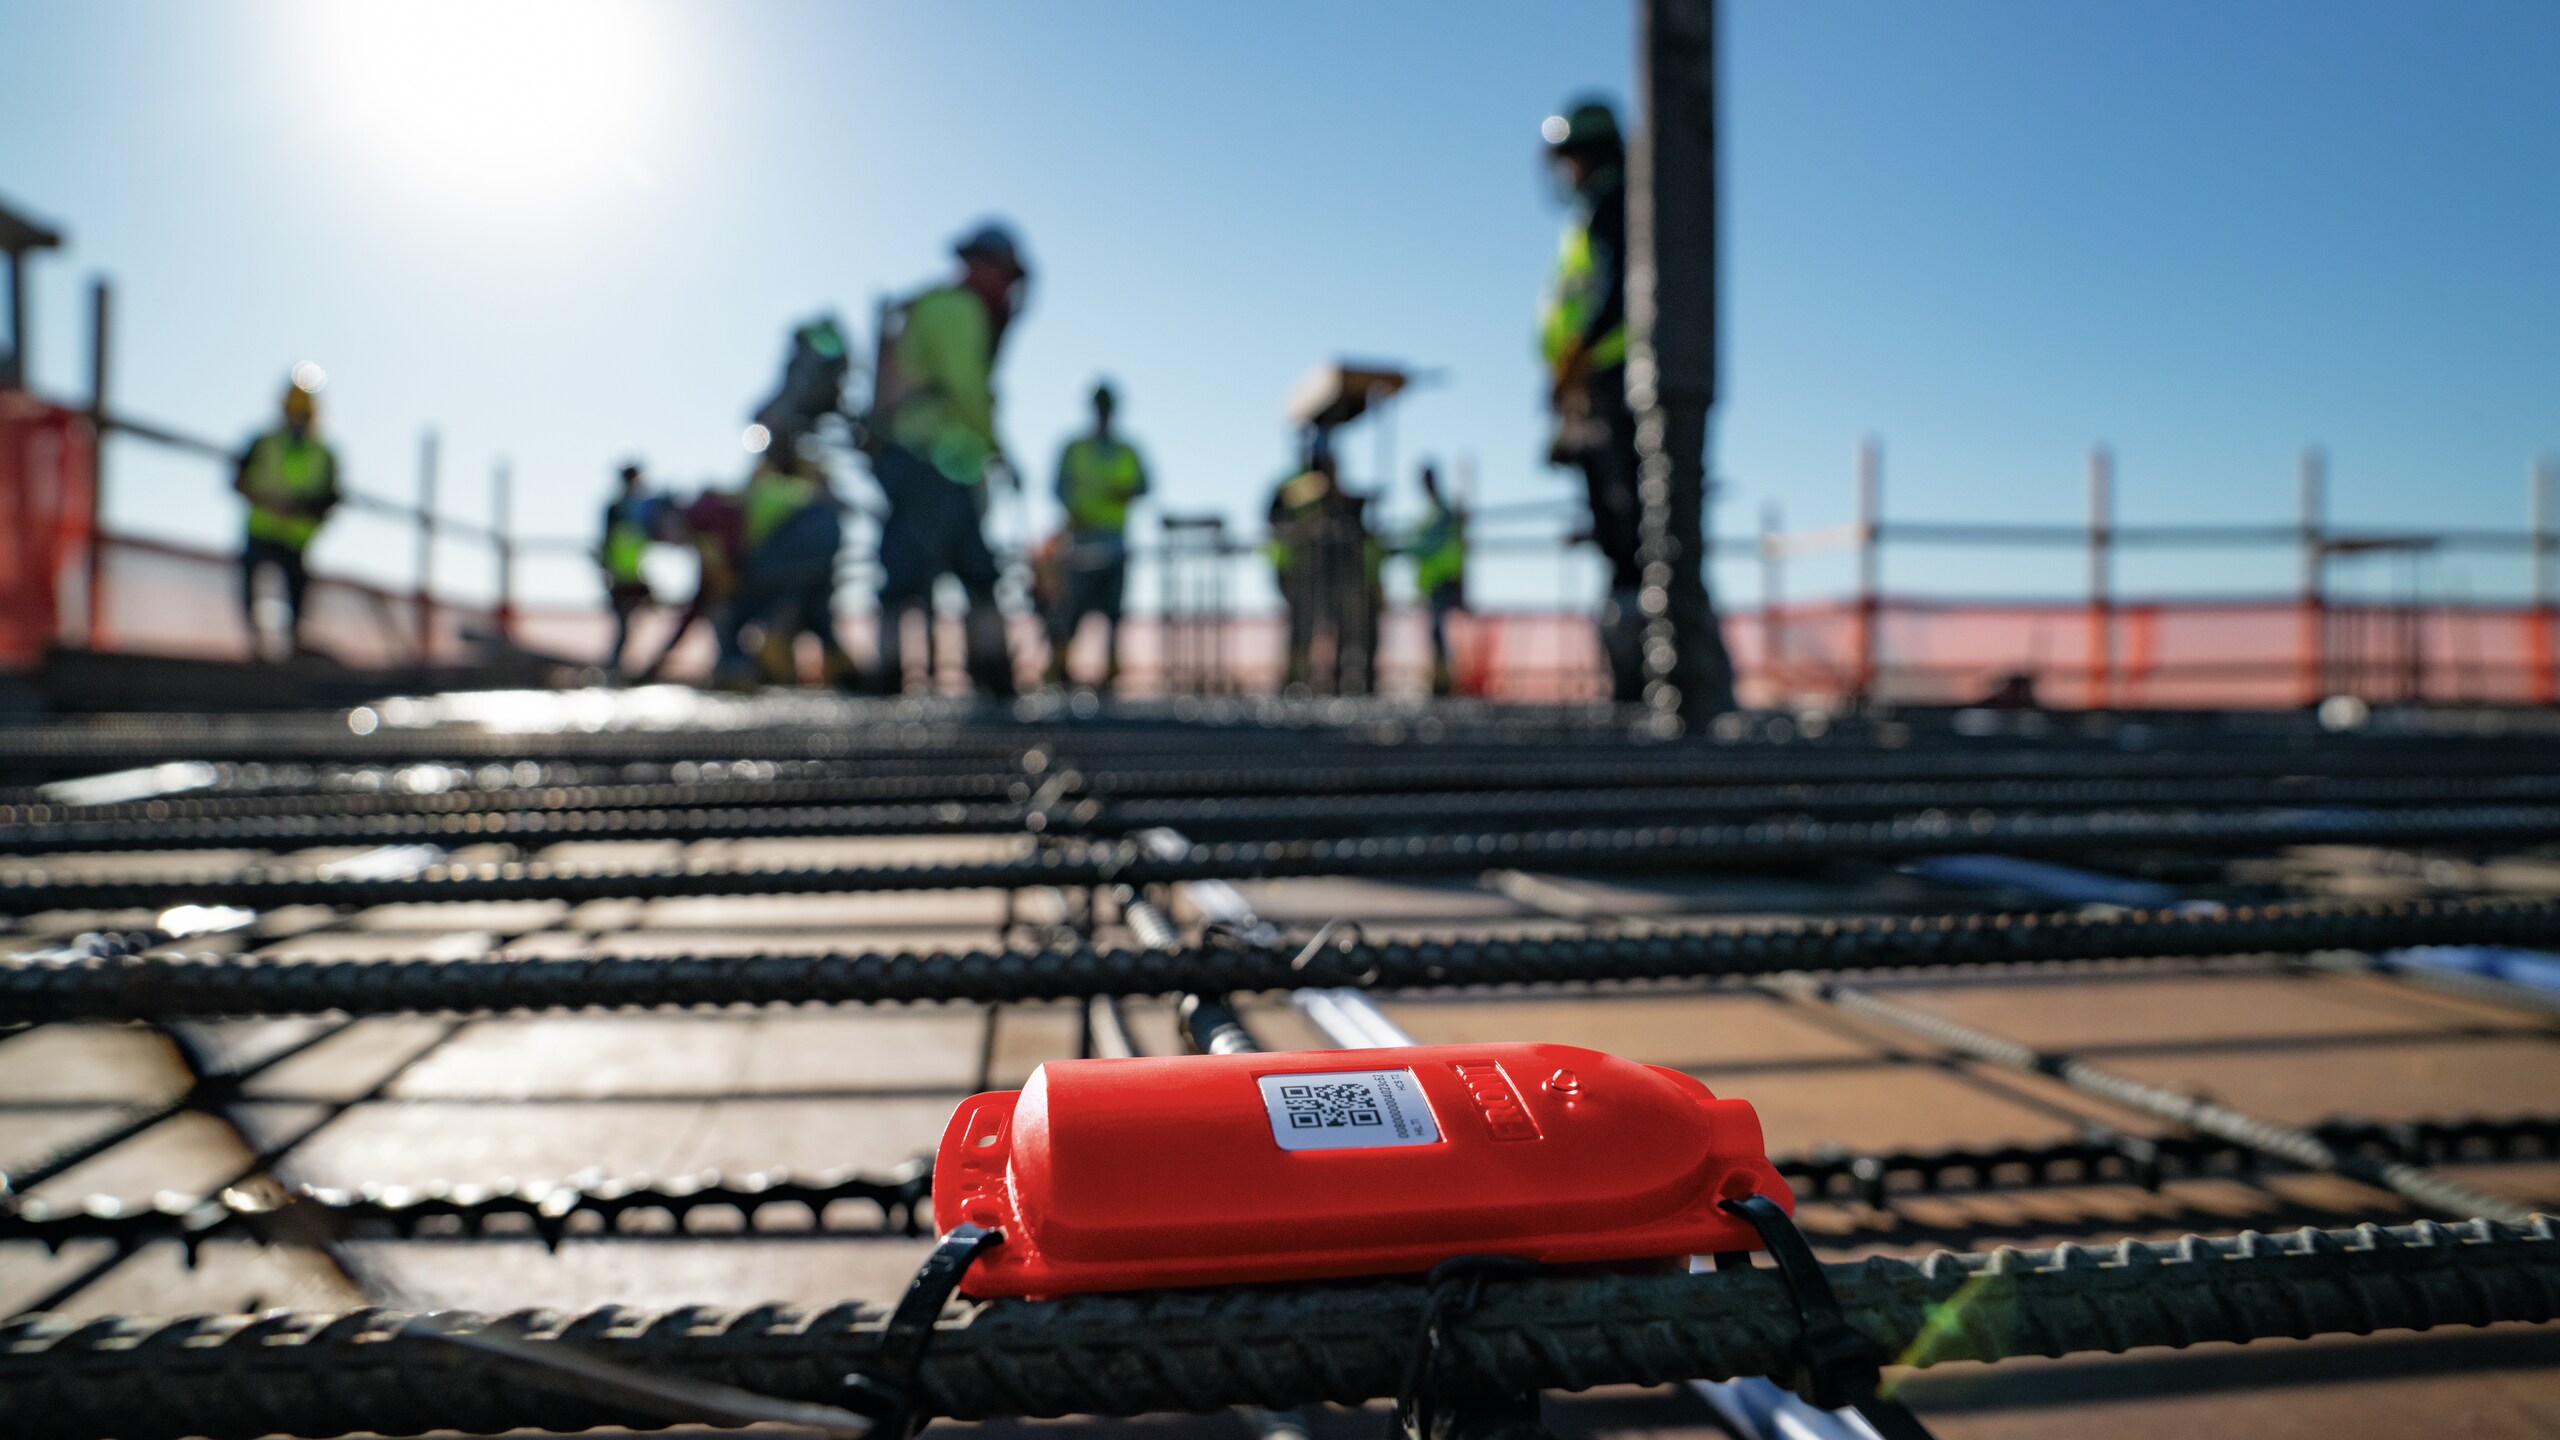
(1336, 1105)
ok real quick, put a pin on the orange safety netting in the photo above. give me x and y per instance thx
(170, 599)
(44, 519)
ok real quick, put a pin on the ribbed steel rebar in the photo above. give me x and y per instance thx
(725, 810)
(440, 785)
(2431, 1188)
(316, 1375)
(1665, 848)
(550, 1211)
(207, 986)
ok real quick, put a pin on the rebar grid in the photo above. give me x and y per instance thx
(328, 1375)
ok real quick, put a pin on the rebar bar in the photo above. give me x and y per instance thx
(550, 1212)
(221, 985)
(328, 1375)
(833, 807)
(1656, 849)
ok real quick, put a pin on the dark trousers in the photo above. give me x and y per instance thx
(786, 588)
(1702, 671)
(256, 555)
(1445, 599)
(627, 597)
(933, 531)
(1097, 582)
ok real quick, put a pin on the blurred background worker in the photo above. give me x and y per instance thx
(714, 526)
(1583, 335)
(620, 551)
(1100, 475)
(791, 529)
(812, 386)
(1328, 567)
(931, 435)
(1439, 549)
(290, 480)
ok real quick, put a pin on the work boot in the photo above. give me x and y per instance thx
(990, 663)
(840, 672)
(775, 660)
(889, 657)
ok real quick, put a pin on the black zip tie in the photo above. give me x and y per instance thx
(1450, 1292)
(890, 1392)
(1836, 1366)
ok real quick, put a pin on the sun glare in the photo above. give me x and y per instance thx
(510, 105)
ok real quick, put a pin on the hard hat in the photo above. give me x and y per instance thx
(992, 241)
(824, 336)
(1586, 124)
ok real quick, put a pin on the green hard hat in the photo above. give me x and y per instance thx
(1585, 125)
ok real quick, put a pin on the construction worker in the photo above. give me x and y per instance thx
(812, 385)
(931, 436)
(290, 479)
(1583, 336)
(1439, 550)
(624, 544)
(714, 526)
(1100, 475)
(791, 529)
(1327, 565)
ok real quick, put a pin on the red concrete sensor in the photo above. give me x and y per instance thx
(1225, 1169)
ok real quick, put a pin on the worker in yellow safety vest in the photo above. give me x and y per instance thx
(1328, 566)
(1100, 475)
(1439, 550)
(620, 552)
(290, 479)
(1582, 334)
(931, 437)
(792, 527)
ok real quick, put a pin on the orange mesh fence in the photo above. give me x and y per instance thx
(171, 599)
(44, 516)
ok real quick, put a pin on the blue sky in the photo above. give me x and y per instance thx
(1993, 232)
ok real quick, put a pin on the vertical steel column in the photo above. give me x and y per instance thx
(426, 547)
(2543, 634)
(13, 361)
(1870, 527)
(2313, 655)
(2102, 618)
(502, 538)
(1671, 356)
(94, 600)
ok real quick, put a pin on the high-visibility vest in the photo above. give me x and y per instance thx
(934, 394)
(625, 542)
(1439, 550)
(774, 496)
(1098, 480)
(1577, 293)
(284, 471)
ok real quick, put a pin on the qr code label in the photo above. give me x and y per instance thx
(1347, 1110)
